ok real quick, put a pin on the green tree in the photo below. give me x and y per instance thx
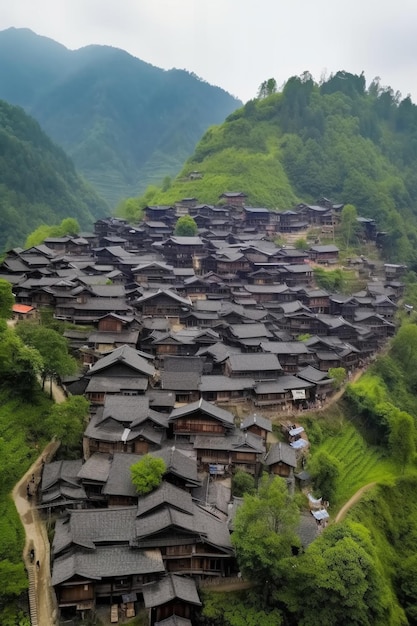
(406, 582)
(339, 376)
(349, 224)
(130, 209)
(267, 88)
(337, 581)
(68, 226)
(238, 609)
(19, 364)
(6, 299)
(53, 349)
(402, 438)
(301, 244)
(264, 530)
(242, 483)
(147, 473)
(325, 470)
(67, 422)
(186, 226)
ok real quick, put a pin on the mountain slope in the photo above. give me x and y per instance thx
(125, 123)
(38, 182)
(338, 139)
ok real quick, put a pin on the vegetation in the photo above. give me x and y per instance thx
(147, 473)
(125, 123)
(68, 226)
(242, 483)
(38, 182)
(336, 138)
(264, 531)
(186, 226)
(53, 349)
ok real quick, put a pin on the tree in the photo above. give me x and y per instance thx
(325, 470)
(349, 224)
(186, 226)
(19, 364)
(67, 421)
(337, 581)
(267, 88)
(6, 299)
(402, 438)
(242, 483)
(147, 473)
(53, 349)
(264, 530)
(130, 209)
(339, 376)
(68, 226)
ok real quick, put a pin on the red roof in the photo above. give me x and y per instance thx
(22, 308)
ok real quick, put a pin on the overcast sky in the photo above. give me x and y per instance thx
(237, 44)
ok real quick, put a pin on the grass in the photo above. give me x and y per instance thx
(360, 463)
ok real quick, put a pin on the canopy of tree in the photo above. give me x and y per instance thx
(38, 182)
(339, 139)
(125, 123)
(186, 226)
(147, 473)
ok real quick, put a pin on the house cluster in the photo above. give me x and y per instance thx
(173, 333)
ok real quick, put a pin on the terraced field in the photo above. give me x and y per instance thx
(360, 464)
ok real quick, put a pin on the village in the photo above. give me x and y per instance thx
(191, 349)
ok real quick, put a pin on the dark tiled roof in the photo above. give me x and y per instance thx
(128, 356)
(166, 494)
(281, 452)
(169, 588)
(106, 562)
(257, 420)
(254, 362)
(205, 407)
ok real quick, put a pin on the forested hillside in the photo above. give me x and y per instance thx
(124, 122)
(340, 138)
(38, 182)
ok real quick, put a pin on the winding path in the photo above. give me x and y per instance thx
(353, 500)
(42, 603)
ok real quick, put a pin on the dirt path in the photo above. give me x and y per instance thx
(41, 597)
(36, 538)
(353, 500)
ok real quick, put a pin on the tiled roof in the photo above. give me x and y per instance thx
(169, 588)
(206, 407)
(281, 452)
(106, 562)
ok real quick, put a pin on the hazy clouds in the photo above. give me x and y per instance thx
(239, 43)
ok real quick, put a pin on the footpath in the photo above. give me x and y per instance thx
(42, 603)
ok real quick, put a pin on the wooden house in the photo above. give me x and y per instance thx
(281, 460)
(124, 424)
(200, 417)
(171, 601)
(121, 371)
(93, 560)
(324, 254)
(237, 450)
(162, 303)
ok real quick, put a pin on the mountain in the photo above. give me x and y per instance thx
(125, 123)
(339, 139)
(38, 181)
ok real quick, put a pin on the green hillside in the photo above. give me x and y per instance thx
(125, 123)
(38, 182)
(341, 139)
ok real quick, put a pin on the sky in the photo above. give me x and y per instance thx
(237, 44)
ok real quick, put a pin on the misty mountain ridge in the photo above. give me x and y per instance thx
(38, 181)
(124, 122)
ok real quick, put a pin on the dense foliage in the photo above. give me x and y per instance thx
(147, 473)
(185, 226)
(338, 138)
(125, 123)
(38, 182)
